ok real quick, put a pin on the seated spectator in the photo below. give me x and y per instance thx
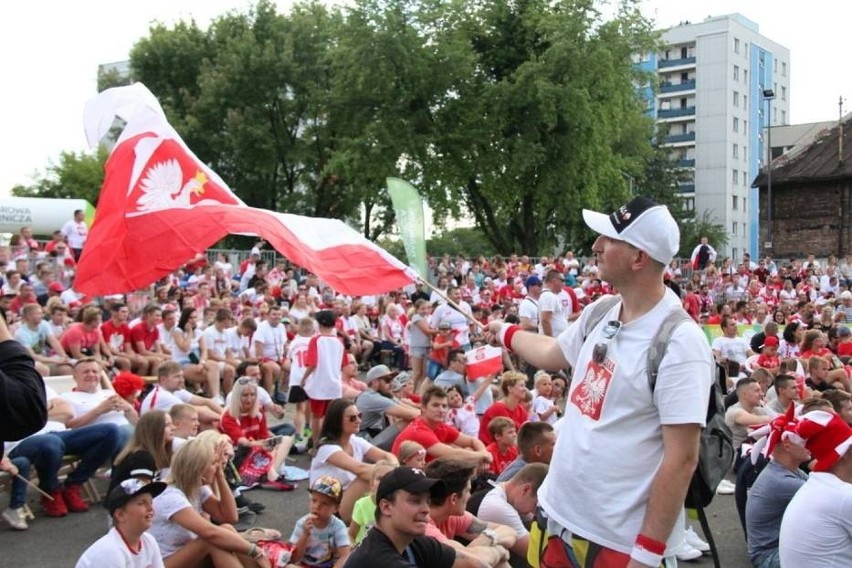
(440, 440)
(768, 358)
(511, 502)
(773, 489)
(352, 387)
(219, 343)
(320, 538)
(730, 346)
(402, 389)
(170, 390)
(543, 407)
(819, 376)
(152, 446)
(378, 407)
(786, 393)
(127, 543)
(454, 374)
(448, 518)
(17, 468)
(412, 454)
(513, 387)
(364, 512)
(91, 404)
(815, 528)
(402, 513)
(35, 335)
(841, 402)
(391, 332)
(83, 339)
(190, 351)
(245, 424)
(462, 412)
(58, 321)
(145, 338)
(345, 456)
(251, 369)
(94, 445)
(116, 334)
(181, 526)
(535, 445)
(503, 449)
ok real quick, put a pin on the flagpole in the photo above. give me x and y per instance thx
(452, 303)
(33, 485)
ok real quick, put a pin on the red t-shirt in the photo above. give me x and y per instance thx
(77, 334)
(108, 329)
(844, 348)
(500, 461)
(518, 416)
(148, 337)
(768, 361)
(251, 427)
(427, 436)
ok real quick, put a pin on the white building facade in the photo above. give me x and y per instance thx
(713, 115)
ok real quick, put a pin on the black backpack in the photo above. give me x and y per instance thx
(716, 447)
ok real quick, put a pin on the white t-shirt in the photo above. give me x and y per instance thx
(179, 354)
(109, 551)
(83, 402)
(320, 465)
(529, 309)
(75, 233)
(616, 443)
(553, 303)
(458, 322)
(170, 535)
(329, 356)
(540, 405)
(495, 508)
(732, 348)
(274, 340)
(166, 339)
(816, 531)
(297, 353)
(161, 399)
(217, 342)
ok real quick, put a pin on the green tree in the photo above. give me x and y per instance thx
(75, 176)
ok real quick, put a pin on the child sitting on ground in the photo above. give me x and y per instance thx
(320, 538)
(543, 408)
(364, 511)
(412, 454)
(504, 448)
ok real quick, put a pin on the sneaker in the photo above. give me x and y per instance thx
(245, 521)
(56, 507)
(15, 517)
(279, 485)
(693, 540)
(687, 553)
(726, 488)
(73, 499)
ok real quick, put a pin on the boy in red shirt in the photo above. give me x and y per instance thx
(769, 358)
(504, 448)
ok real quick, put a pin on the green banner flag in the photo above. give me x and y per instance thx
(412, 226)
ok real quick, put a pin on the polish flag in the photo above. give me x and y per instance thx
(160, 206)
(483, 361)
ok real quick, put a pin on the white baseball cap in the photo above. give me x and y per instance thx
(642, 223)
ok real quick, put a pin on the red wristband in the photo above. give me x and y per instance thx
(650, 544)
(508, 334)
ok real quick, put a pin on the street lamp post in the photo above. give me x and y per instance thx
(768, 95)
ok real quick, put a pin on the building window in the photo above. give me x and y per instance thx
(745, 126)
(775, 66)
(734, 198)
(736, 45)
(735, 178)
(746, 50)
(783, 93)
(745, 232)
(745, 102)
(689, 204)
(745, 76)
(775, 115)
(745, 153)
(783, 117)
(744, 201)
(736, 72)
(736, 124)
(736, 151)
(736, 98)
(734, 228)
(733, 253)
(745, 184)
(783, 68)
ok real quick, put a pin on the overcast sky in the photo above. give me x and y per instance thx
(50, 52)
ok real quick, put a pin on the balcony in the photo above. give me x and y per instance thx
(678, 138)
(676, 112)
(686, 188)
(686, 163)
(665, 63)
(677, 87)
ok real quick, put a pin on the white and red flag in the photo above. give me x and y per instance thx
(483, 361)
(160, 206)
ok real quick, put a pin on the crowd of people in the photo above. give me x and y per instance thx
(176, 387)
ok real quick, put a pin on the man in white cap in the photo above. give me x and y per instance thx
(817, 527)
(631, 452)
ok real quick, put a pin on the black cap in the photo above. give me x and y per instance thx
(409, 479)
(122, 493)
(325, 318)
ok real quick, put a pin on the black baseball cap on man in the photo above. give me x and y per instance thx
(412, 480)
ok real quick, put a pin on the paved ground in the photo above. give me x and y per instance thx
(51, 542)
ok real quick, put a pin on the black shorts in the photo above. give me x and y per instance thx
(297, 394)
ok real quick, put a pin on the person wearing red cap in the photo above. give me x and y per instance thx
(768, 358)
(817, 527)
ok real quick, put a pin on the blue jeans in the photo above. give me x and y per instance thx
(19, 489)
(94, 444)
(773, 560)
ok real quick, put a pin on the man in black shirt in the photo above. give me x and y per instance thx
(402, 513)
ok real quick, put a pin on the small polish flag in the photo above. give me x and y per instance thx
(483, 361)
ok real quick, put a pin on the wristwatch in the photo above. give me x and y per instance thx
(492, 535)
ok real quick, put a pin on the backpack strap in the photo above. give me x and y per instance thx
(660, 343)
(598, 312)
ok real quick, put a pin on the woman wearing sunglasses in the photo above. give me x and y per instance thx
(245, 423)
(345, 456)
